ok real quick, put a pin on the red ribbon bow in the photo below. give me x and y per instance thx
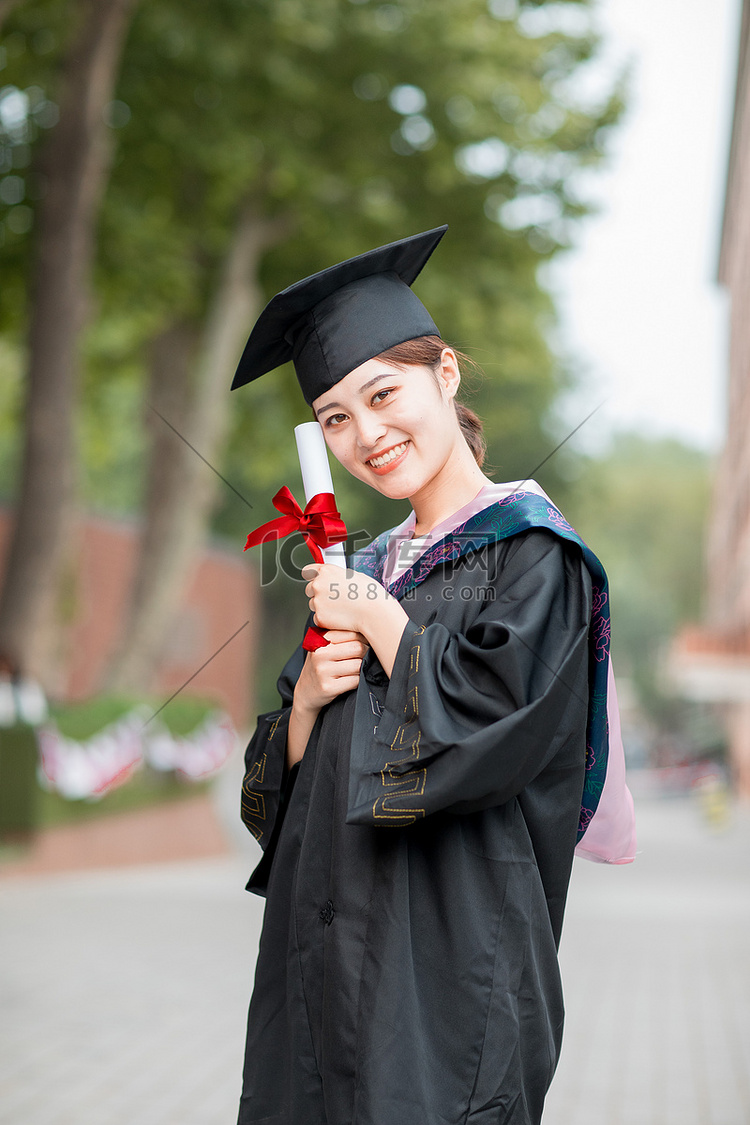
(320, 523)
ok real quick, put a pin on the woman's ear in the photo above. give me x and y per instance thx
(448, 373)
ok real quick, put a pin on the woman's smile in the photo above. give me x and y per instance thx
(387, 460)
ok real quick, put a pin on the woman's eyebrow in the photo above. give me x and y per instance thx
(328, 406)
(385, 375)
(361, 391)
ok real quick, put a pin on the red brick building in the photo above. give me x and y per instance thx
(221, 596)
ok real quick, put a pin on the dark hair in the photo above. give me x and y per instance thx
(425, 351)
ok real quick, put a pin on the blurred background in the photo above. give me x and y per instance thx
(165, 168)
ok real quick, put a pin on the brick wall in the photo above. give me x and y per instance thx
(221, 595)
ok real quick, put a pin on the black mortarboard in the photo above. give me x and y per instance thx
(337, 319)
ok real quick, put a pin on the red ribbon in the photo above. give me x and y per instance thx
(320, 523)
(314, 638)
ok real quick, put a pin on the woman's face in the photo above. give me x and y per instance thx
(393, 427)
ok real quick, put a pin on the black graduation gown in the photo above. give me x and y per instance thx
(417, 860)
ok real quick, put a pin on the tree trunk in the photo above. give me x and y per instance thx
(181, 488)
(74, 170)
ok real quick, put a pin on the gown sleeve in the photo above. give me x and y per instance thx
(267, 783)
(469, 719)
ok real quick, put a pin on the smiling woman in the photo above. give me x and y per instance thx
(421, 789)
(394, 425)
(428, 351)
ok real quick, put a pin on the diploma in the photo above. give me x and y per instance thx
(316, 475)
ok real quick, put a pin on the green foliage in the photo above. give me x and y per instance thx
(10, 412)
(34, 37)
(643, 509)
(356, 122)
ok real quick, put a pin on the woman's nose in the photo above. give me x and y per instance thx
(370, 432)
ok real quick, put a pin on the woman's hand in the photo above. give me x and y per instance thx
(326, 673)
(331, 670)
(347, 599)
(342, 599)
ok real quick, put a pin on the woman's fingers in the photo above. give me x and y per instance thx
(334, 669)
(335, 596)
(338, 677)
(340, 685)
(337, 636)
(344, 650)
(339, 665)
(342, 668)
(348, 683)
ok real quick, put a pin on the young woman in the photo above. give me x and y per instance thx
(421, 790)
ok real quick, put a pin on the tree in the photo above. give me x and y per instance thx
(336, 126)
(276, 126)
(73, 167)
(180, 489)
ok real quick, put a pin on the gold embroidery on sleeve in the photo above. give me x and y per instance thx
(256, 772)
(410, 783)
(253, 803)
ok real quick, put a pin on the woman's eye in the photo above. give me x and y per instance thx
(380, 395)
(335, 419)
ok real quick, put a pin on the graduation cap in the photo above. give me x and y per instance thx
(337, 319)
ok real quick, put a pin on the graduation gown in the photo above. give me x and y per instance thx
(417, 860)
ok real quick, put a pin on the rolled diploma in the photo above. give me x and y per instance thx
(316, 475)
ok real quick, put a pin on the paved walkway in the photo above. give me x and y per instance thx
(123, 993)
(656, 965)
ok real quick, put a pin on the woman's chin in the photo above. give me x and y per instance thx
(391, 487)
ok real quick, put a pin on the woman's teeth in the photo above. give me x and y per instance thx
(391, 455)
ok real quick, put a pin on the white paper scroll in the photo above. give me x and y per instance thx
(316, 475)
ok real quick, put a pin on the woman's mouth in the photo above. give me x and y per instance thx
(385, 462)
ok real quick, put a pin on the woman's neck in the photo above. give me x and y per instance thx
(456, 484)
